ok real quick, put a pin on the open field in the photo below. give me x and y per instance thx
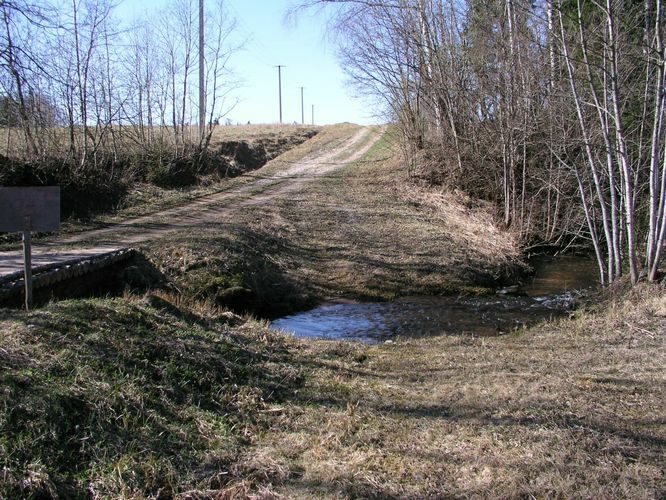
(12, 142)
(165, 394)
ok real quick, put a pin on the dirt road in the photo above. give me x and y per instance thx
(266, 185)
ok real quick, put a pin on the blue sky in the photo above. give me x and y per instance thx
(302, 47)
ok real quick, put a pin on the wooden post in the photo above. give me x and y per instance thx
(202, 76)
(27, 263)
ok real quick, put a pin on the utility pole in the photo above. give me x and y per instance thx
(313, 114)
(202, 89)
(279, 67)
(302, 108)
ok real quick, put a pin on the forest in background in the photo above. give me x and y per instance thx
(552, 110)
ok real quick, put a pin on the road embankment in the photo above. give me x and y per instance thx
(341, 229)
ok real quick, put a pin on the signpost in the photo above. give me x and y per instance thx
(27, 209)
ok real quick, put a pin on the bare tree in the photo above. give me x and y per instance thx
(530, 105)
(17, 57)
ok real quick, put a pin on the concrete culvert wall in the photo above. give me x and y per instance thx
(103, 275)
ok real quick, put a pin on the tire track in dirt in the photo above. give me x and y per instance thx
(206, 209)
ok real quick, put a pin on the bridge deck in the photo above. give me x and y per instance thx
(50, 266)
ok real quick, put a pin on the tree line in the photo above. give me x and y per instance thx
(78, 84)
(551, 109)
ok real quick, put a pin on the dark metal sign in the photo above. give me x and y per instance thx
(29, 209)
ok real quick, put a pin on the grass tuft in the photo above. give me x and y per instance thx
(126, 398)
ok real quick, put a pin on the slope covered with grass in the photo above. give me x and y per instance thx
(166, 395)
(118, 397)
(135, 398)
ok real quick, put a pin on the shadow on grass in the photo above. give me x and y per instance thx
(551, 417)
(234, 266)
(628, 441)
(286, 273)
(123, 398)
(352, 487)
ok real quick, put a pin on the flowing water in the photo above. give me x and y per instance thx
(549, 293)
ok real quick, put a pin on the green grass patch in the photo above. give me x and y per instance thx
(122, 398)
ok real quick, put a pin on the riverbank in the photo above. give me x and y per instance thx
(164, 393)
(359, 232)
(571, 408)
(145, 397)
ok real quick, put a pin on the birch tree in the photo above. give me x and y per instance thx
(552, 110)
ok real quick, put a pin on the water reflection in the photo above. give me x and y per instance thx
(416, 316)
(547, 295)
(556, 275)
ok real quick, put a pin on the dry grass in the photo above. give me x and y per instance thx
(362, 231)
(472, 223)
(573, 409)
(258, 132)
(12, 140)
(131, 398)
(143, 397)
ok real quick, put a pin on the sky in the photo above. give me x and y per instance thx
(302, 47)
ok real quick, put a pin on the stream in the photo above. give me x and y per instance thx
(550, 292)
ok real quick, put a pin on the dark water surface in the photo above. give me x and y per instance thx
(556, 275)
(548, 293)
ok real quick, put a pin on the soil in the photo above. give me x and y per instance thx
(167, 394)
(258, 190)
